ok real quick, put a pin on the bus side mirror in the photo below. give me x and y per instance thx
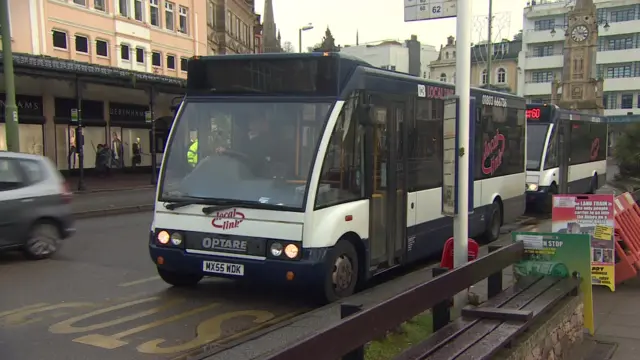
(363, 112)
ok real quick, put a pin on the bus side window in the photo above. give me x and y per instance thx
(340, 180)
(551, 160)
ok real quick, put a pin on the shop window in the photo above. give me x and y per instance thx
(31, 138)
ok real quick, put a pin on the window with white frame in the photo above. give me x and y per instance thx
(169, 16)
(102, 48)
(123, 7)
(184, 64)
(140, 55)
(138, 10)
(125, 52)
(154, 12)
(483, 77)
(443, 77)
(171, 62)
(99, 5)
(80, 2)
(183, 24)
(59, 39)
(82, 44)
(156, 58)
(502, 76)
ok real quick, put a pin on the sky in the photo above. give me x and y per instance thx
(377, 20)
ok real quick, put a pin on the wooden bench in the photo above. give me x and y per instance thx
(481, 332)
(478, 334)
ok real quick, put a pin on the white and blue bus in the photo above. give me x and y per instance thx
(587, 157)
(321, 170)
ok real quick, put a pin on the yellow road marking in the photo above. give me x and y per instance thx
(115, 341)
(28, 307)
(206, 332)
(20, 317)
(66, 326)
(138, 282)
(204, 350)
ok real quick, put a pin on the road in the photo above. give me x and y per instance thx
(99, 298)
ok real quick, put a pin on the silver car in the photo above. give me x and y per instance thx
(35, 205)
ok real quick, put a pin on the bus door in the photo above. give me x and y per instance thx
(388, 198)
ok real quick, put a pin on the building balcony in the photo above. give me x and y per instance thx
(542, 36)
(621, 28)
(621, 84)
(618, 56)
(544, 62)
(531, 88)
(620, 112)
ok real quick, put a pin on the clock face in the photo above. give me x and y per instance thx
(579, 33)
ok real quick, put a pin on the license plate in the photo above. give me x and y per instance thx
(223, 268)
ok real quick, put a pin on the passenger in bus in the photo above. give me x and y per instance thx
(255, 148)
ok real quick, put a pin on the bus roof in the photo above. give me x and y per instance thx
(336, 79)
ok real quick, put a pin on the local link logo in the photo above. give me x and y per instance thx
(493, 152)
(225, 220)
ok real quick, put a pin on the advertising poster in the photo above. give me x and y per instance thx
(558, 255)
(593, 215)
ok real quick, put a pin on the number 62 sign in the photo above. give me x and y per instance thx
(416, 10)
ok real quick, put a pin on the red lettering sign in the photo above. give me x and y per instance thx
(229, 219)
(434, 92)
(493, 152)
(595, 148)
(533, 114)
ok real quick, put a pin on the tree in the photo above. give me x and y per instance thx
(288, 47)
(518, 36)
(328, 43)
(626, 151)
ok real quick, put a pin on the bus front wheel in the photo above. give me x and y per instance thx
(341, 274)
(179, 280)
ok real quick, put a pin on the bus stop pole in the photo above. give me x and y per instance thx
(463, 91)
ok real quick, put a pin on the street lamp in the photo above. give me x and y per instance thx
(304, 28)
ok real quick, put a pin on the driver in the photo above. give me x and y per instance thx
(255, 147)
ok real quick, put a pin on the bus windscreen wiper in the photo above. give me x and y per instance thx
(207, 210)
(178, 204)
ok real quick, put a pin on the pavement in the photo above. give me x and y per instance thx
(103, 203)
(99, 298)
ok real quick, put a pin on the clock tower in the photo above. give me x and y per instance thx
(580, 89)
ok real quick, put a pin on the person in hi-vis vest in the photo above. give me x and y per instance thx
(192, 153)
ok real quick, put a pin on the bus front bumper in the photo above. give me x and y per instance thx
(537, 197)
(310, 269)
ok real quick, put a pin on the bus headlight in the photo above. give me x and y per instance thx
(176, 239)
(532, 187)
(291, 251)
(163, 237)
(276, 249)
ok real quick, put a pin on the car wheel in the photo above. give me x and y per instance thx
(341, 275)
(179, 280)
(594, 184)
(43, 241)
(492, 232)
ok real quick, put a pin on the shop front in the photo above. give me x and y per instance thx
(130, 135)
(94, 130)
(31, 124)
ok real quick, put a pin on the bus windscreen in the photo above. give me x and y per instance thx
(262, 76)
